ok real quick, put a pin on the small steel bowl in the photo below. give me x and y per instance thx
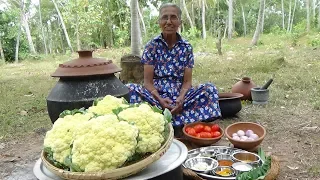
(206, 152)
(246, 157)
(223, 157)
(241, 167)
(224, 151)
(220, 168)
(192, 164)
(193, 153)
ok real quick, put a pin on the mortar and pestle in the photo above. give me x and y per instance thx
(260, 95)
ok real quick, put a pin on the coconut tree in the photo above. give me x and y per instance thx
(62, 24)
(230, 19)
(259, 24)
(135, 28)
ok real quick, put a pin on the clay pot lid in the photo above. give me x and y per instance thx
(86, 65)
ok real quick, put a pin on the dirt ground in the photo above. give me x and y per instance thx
(293, 136)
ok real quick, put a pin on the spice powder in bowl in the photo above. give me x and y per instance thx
(242, 167)
(225, 162)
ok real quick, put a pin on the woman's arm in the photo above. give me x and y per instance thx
(148, 81)
(187, 82)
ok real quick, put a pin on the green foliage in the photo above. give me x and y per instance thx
(50, 158)
(192, 34)
(9, 33)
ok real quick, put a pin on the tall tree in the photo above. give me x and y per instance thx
(22, 6)
(230, 19)
(187, 13)
(264, 10)
(308, 14)
(3, 59)
(135, 28)
(42, 30)
(25, 23)
(289, 17)
(282, 12)
(63, 25)
(142, 21)
(259, 23)
(293, 13)
(203, 18)
(244, 20)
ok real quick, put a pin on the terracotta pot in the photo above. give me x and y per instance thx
(244, 87)
(83, 80)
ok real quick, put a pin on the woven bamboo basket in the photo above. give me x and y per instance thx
(112, 174)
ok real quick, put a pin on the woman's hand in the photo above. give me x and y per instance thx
(179, 106)
(165, 103)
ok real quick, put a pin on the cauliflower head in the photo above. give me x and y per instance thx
(103, 143)
(151, 127)
(60, 137)
(106, 105)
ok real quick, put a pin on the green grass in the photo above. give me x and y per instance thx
(24, 87)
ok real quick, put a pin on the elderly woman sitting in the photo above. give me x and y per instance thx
(168, 61)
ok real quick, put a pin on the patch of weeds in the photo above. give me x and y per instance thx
(315, 170)
(266, 65)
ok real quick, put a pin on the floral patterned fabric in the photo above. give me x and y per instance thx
(201, 102)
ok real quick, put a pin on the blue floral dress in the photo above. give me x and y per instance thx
(201, 102)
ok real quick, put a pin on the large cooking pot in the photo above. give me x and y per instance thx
(83, 80)
(230, 103)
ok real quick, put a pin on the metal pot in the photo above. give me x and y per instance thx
(82, 80)
(230, 104)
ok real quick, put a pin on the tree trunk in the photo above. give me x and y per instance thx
(262, 21)
(308, 15)
(282, 12)
(187, 13)
(28, 33)
(3, 59)
(42, 31)
(314, 6)
(319, 15)
(204, 33)
(289, 17)
(244, 20)
(259, 22)
(135, 29)
(50, 37)
(230, 21)
(16, 58)
(225, 29)
(77, 33)
(63, 25)
(218, 43)
(292, 18)
(142, 21)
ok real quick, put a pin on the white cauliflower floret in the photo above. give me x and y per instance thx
(151, 127)
(106, 105)
(60, 136)
(104, 143)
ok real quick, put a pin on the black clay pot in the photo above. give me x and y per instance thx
(230, 104)
(83, 80)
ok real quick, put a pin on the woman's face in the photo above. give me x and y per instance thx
(169, 20)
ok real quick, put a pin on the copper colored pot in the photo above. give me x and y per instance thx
(244, 87)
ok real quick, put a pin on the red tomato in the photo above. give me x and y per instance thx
(192, 132)
(216, 134)
(215, 127)
(207, 129)
(205, 135)
(198, 128)
(187, 129)
(198, 135)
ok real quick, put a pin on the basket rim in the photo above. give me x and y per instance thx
(115, 173)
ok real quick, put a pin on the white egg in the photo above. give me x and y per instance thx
(254, 136)
(240, 133)
(236, 138)
(244, 137)
(250, 139)
(249, 132)
(235, 134)
(242, 140)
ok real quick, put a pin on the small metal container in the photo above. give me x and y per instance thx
(246, 157)
(205, 152)
(241, 167)
(221, 168)
(201, 164)
(224, 151)
(193, 153)
(224, 160)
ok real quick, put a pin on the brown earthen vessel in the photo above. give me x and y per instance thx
(244, 87)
